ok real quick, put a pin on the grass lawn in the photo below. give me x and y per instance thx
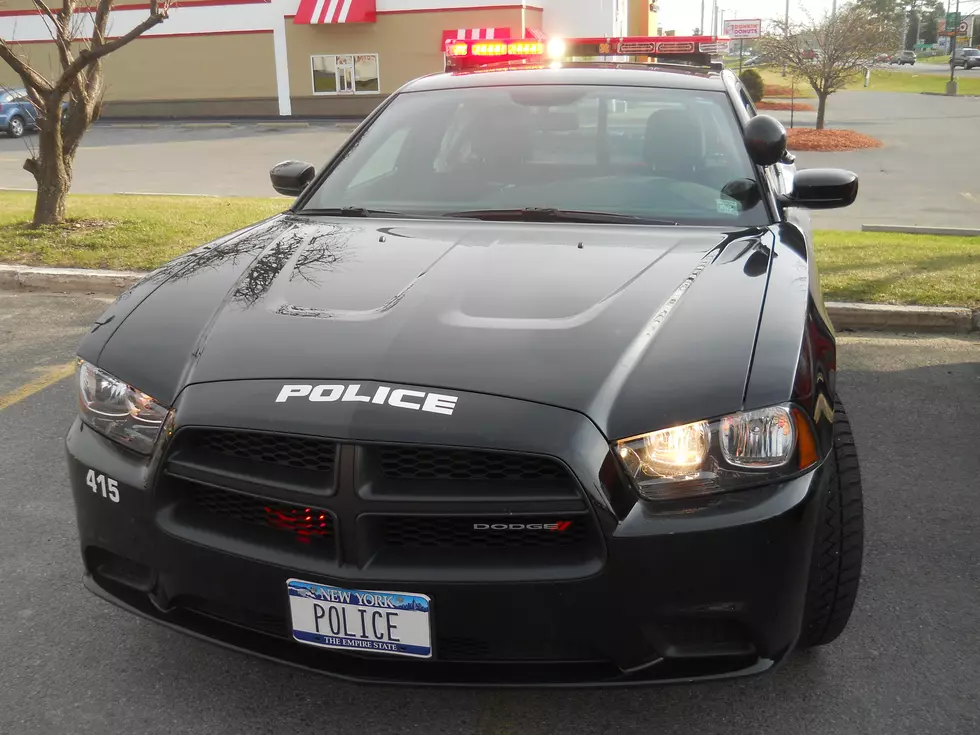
(903, 269)
(882, 80)
(896, 81)
(122, 232)
(773, 77)
(142, 232)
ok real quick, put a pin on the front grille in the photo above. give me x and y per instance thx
(428, 463)
(260, 622)
(513, 648)
(287, 451)
(430, 532)
(302, 522)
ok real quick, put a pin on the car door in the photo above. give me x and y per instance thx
(28, 110)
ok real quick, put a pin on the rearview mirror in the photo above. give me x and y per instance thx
(822, 188)
(765, 140)
(291, 177)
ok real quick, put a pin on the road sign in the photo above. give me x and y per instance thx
(743, 29)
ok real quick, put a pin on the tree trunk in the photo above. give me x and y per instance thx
(53, 175)
(821, 109)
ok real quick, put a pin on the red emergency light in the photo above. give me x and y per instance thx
(703, 51)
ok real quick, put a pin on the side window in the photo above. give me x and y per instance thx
(747, 102)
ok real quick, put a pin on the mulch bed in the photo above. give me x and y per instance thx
(798, 106)
(810, 139)
(779, 90)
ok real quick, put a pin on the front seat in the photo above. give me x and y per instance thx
(674, 144)
(501, 140)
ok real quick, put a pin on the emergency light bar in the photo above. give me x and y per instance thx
(703, 51)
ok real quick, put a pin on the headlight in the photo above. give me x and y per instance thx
(708, 457)
(118, 410)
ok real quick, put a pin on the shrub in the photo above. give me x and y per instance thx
(752, 81)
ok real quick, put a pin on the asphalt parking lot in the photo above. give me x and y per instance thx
(920, 177)
(909, 663)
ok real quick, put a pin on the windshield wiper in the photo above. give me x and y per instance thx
(352, 212)
(546, 214)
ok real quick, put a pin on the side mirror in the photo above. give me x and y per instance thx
(822, 188)
(291, 177)
(765, 140)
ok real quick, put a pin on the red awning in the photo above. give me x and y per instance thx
(534, 33)
(314, 12)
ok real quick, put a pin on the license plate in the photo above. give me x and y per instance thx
(395, 623)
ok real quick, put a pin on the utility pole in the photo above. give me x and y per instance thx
(786, 27)
(701, 27)
(951, 87)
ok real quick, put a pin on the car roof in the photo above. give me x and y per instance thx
(599, 74)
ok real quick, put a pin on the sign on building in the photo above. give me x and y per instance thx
(743, 29)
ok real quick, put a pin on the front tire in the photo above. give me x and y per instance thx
(15, 128)
(838, 547)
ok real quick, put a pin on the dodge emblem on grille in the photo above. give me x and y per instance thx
(557, 526)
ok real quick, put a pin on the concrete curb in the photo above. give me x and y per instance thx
(845, 316)
(67, 280)
(274, 125)
(917, 230)
(206, 125)
(219, 124)
(885, 317)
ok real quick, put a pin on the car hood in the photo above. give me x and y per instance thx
(636, 327)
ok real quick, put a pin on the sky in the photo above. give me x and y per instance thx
(684, 16)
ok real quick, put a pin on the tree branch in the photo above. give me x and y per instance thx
(60, 34)
(31, 77)
(101, 18)
(89, 56)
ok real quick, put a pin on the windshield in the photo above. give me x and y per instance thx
(650, 153)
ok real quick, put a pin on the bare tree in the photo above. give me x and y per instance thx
(81, 81)
(830, 52)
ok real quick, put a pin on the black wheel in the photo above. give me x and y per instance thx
(835, 569)
(15, 128)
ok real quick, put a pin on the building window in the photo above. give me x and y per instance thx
(345, 74)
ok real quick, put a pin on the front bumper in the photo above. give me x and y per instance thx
(703, 592)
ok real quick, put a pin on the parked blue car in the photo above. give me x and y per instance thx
(17, 113)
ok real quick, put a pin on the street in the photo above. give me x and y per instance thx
(926, 139)
(908, 663)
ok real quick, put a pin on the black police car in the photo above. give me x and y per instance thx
(532, 384)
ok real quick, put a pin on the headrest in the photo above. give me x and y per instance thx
(674, 141)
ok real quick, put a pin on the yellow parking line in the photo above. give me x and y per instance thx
(49, 376)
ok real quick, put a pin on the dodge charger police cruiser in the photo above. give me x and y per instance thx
(531, 384)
